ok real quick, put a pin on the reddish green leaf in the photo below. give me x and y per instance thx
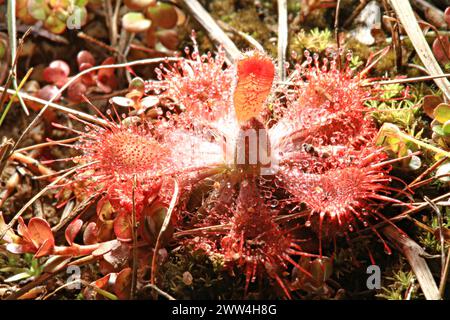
(122, 226)
(85, 56)
(138, 4)
(72, 230)
(163, 15)
(41, 232)
(122, 286)
(430, 103)
(169, 38)
(90, 233)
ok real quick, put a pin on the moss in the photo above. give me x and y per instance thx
(400, 285)
(428, 240)
(315, 40)
(209, 281)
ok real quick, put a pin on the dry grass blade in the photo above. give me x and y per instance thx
(159, 291)
(12, 32)
(134, 236)
(445, 274)
(56, 106)
(213, 29)
(405, 13)
(441, 233)
(164, 226)
(413, 253)
(252, 41)
(282, 38)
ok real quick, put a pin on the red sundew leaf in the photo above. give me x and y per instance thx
(41, 233)
(90, 233)
(47, 92)
(255, 77)
(122, 226)
(122, 286)
(76, 91)
(85, 56)
(441, 49)
(72, 230)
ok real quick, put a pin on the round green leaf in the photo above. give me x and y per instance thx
(135, 22)
(137, 84)
(442, 113)
(446, 128)
(3, 48)
(438, 129)
(38, 9)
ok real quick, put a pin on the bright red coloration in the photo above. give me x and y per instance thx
(201, 85)
(344, 193)
(255, 74)
(119, 154)
(321, 149)
(255, 241)
(327, 107)
(329, 160)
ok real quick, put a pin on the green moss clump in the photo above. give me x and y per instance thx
(315, 40)
(206, 277)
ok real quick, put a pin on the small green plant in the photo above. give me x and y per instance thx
(31, 268)
(392, 107)
(403, 287)
(315, 40)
